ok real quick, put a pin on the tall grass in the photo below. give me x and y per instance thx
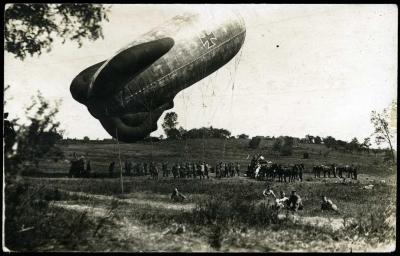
(32, 224)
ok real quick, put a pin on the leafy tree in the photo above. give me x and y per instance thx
(329, 141)
(86, 139)
(277, 145)
(354, 144)
(309, 139)
(366, 144)
(382, 131)
(31, 28)
(243, 136)
(169, 125)
(37, 139)
(289, 141)
(317, 140)
(173, 134)
(286, 150)
(205, 132)
(287, 147)
(182, 132)
(254, 142)
(342, 144)
(170, 121)
(303, 140)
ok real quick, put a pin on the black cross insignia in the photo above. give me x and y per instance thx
(207, 40)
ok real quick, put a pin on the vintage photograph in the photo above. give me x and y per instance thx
(199, 127)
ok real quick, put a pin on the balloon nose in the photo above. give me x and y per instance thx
(79, 90)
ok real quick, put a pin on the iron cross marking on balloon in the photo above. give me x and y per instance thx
(207, 40)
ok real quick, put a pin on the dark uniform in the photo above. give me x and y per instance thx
(88, 168)
(9, 135)
(111, 169)
(301, 169)
(328, 205)
(295, 203)
(176, 196)
(238, 169)
(127, 168)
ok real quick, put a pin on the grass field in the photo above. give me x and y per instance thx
(228, 214)
(211, 151)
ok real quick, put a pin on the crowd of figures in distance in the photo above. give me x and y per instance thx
(81, 167)
(258, 168)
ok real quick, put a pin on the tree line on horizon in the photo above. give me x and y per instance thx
(282, 144)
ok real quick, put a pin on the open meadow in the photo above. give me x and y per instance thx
(55, 213)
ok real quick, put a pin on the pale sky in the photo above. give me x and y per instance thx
(334, 65)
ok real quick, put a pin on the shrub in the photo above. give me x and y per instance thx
(237, 210)
(254, 142)
(286, 150)
(31, 222)
(277, 145)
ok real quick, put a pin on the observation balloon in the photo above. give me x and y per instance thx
(129, 92)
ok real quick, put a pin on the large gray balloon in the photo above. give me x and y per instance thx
(129, 92)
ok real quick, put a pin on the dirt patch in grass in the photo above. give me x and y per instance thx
(133, 200)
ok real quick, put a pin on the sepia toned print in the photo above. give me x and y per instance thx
(200, 128)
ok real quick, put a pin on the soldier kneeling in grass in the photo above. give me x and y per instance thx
(328, 205)
(176, 196)
(295, 202)
(281, 202)
(269, 193)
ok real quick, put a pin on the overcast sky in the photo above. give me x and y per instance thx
(303, 69)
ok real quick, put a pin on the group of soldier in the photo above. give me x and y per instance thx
(138, 169)
(226, 170)
(335, 171)
(281, 173)
(261, 169)
(178, 170)
(294, 201)
(80, 167)
(258, 168)
(182, 170)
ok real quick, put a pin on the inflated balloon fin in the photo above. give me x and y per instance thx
(107, 78)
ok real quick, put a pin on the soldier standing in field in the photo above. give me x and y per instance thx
(81, 167)
(127, 167)
(165, 169)
(88, 168)
(355, 172)
(193, 169)
(301, 169)
(206, 169)
(225, 170)
(237, 169)
(146, 170)
(111, 169)
(9, 136)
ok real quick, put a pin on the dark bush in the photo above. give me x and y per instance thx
(254, 142)
(286, 150)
